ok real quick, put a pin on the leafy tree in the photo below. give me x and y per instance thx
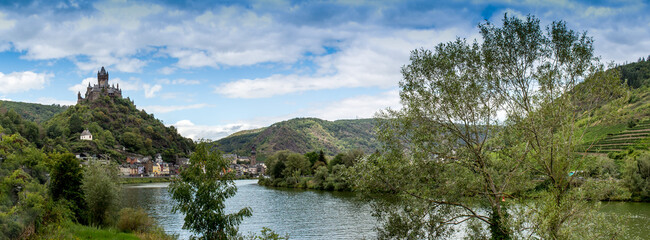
(75, 124)
(321, 157)
(453, 160)
(66, 179)
(312, 157)
(338, 159)
(102, 192)
(277, 163)
(637, 175)
(201, 191)
(297, 164)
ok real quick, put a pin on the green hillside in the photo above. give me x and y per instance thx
(624, 123)
(117, 127)
(304, 135)
(32, 111)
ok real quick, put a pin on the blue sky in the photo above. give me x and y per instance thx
(211, 69)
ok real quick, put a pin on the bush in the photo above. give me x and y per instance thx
(135, 220)
(102, 192)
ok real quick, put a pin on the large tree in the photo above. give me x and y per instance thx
(201, 191)
(66, 178)
(482, 121)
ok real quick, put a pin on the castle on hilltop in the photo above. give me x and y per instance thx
(101, 89)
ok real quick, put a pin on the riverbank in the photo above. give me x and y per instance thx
(135, 180)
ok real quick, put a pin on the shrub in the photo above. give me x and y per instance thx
(134, 220)
(101, 191)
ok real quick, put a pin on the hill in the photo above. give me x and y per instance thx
(304, 135)
(636, 74)
(625, 122)
(118, 129)
(32, 111)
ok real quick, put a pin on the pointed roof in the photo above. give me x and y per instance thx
(86, 133)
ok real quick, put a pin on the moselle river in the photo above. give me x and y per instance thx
(306, 214)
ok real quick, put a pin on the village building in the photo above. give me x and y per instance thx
(86, 135)
(102, 88)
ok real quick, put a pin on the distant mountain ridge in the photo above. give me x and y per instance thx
(32, 111)
(304, 135)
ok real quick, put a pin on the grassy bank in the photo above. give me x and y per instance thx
(133, 180)
(77, 231)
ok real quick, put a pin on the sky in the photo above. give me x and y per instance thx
(211, 68)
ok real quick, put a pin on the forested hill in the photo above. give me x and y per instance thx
(304, 135)
(32, 111)
(118, 128)
(636, 74)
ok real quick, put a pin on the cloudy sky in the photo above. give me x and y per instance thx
(211, 69)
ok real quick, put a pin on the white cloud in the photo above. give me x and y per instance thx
(150, 90)
(364, 106)
(213, 132)
(50, 101)
(180, 81)
(83, 86)
(167, 108)
(370, 60)
(23, 81)
(4, 23)
(167, 70)
(133, 84)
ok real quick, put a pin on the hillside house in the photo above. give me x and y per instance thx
(86, 135)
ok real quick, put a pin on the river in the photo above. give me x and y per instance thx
(307, 214)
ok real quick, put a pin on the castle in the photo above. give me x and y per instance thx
(101, 89)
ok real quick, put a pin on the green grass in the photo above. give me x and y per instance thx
(85, 232)
(76, 231)
(595, 133)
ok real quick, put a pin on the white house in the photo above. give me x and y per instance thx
(85, 135)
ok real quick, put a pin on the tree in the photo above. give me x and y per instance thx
(75, 124)
(102, 192)
(454, 159)
(312, 157)
(201, 190)
(66, 179)
(277, 163)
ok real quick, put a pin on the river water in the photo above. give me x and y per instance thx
(300, 213)
(306, 214)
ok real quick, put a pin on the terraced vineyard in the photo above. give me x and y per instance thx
(636, 137)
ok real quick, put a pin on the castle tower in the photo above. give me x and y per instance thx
(102, 77)
(253, 160)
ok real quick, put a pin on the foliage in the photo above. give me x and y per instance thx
(637, 176)
(134, 220)
(288, 169)
(201, 191)
(102, 192)
(303, 135)
(32, 111)
(22, 191)
(13, 123)
(66, 179)
(451, 159)
(636, 74)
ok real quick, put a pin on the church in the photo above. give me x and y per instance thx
(100, 89)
